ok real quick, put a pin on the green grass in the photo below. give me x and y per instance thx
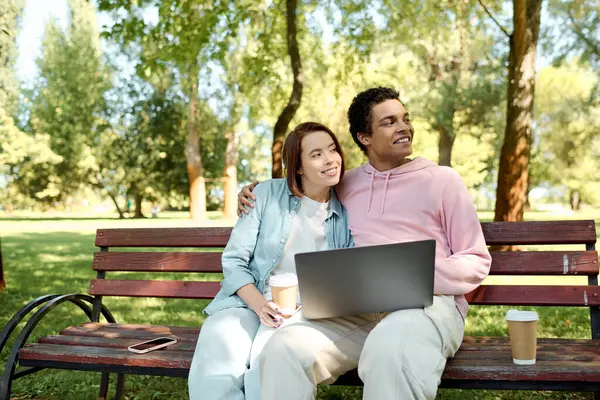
(52, 254)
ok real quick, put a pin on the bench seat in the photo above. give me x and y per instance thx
(480, 362)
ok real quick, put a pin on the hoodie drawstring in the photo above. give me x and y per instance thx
(385, 187)
(370, 192)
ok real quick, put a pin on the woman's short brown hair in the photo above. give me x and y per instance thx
(292, 151)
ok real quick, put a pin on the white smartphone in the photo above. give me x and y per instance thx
(151, 345)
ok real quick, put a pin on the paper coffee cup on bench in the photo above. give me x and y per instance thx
(522, 330)
(284, 288)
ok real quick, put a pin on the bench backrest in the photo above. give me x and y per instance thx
(207, 244)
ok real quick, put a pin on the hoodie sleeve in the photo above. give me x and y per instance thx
(470, 261)
(240, 247)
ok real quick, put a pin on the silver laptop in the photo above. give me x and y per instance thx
(366, 279)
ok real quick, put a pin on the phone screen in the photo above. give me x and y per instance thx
(152, 343)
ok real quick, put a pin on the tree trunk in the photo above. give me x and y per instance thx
(527, 205)
(192, 155)
(446, 141)
(514, 158)
(445, 120)
(575, 200)
(116, 203)
(138, 205)
(2, 281)
(230, 176)
(112, 196)
(293, 104)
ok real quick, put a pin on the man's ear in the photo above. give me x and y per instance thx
(364, 138)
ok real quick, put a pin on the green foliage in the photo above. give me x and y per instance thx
(9, 29)
(68, 99)
(152, 149)
(568, 146)
(574, 32)
(23, 158)
(22, 155)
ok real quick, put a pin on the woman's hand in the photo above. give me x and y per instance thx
(243, 196)
(269, 314)
(267, 311)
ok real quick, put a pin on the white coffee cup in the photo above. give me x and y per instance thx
(284, 289)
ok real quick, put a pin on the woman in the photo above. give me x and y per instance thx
(293, 215)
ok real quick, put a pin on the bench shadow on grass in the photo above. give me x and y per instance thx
(61, 262)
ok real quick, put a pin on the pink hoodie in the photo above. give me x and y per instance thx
(416, 201)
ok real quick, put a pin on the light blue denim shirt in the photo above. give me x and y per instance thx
(259, 238)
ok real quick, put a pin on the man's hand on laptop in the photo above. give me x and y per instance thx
(243, 196)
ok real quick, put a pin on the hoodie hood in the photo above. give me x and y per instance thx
(417, 164)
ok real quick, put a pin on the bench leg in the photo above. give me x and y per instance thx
(5, 386)
(120, 386)
(103, 386)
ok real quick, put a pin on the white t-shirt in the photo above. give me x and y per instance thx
(307, 234)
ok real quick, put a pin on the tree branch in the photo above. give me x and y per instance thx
(494, 19)
(579, 32)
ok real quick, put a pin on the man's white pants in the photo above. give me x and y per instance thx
(399, 355)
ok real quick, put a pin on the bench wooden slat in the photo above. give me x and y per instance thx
(483, 343)
(106, 356)
(503, 263)
(545, 263)
(117, 343)
(155, 288)
(163, 237)
(553, 353)
(127, 334)
(158, 262)
(539, 232)
(531, 295)
(577, 365)
(159, 329)
(502, 370)
(496, 233)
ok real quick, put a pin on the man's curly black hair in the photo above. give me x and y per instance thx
(360, 112)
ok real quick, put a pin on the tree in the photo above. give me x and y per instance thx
(516, 148)
(281, 126)
(185, 37)
(9, 24)
(68, 101)
(456, 82)
(2, 280)
(26, 162)
(568, 145)
(458, 58)
(152, 149)
(20, 153)
(575, 31)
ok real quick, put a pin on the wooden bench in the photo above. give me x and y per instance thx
(482, 362)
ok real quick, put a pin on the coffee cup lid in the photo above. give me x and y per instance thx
(285, 279)
(521, 316)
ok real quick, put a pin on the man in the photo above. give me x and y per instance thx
(392, 198)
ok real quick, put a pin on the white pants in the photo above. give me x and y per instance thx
(399, 355)
(229, 342)
(251, 377)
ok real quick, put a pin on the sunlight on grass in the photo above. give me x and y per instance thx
(45, 255)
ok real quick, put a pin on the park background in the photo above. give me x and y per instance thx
(153, 113)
